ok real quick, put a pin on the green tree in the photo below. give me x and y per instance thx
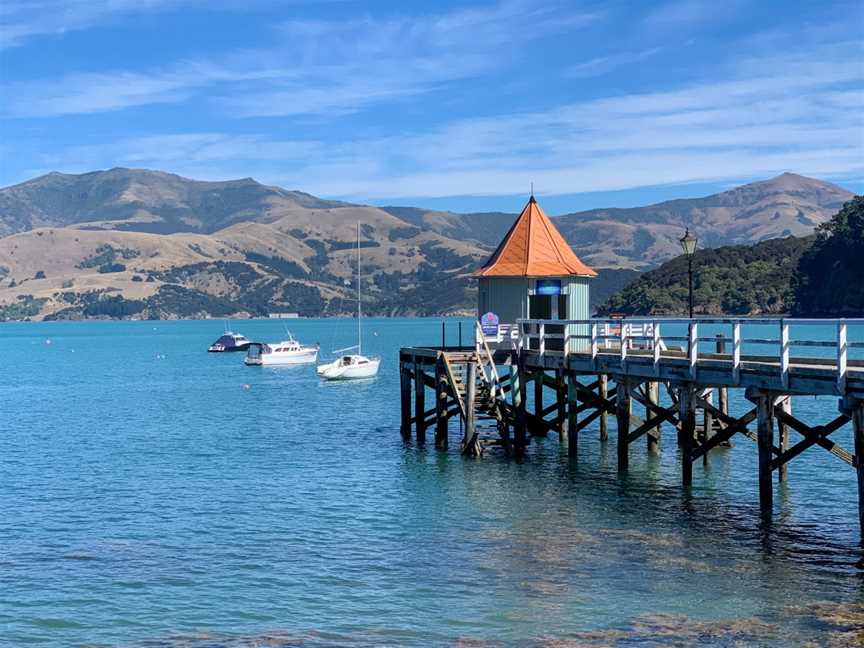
(830, 277)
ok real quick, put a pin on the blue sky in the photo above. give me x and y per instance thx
(455, 105)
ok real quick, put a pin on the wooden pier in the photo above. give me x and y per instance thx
(600, 368)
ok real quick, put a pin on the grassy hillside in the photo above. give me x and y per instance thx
(139, 243)
(814, 276)
(734, 280)
(644, 237)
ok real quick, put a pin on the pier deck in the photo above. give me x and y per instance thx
(600, 368)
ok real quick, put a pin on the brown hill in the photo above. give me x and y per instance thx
(79, 245)
(643, 237)
(139, 200)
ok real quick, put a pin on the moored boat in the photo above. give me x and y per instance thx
(287, 352)
(229, 342)
(355, 366)
(350, 367)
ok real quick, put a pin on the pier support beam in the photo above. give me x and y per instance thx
(471, 442)
(520, 395)
(622, 413)
(572, 415)
(784, 405)
(441, 440)
(707, 423)
(652, 394)
(858, 432)
(405, 400)
(419, 403)
(765, 442)
(561, 402)
(687, 418)
(538, 429)
(602, 391)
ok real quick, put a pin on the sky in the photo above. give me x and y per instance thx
(450, 105)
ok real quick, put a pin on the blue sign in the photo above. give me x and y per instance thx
(548, 287)
(489, 324)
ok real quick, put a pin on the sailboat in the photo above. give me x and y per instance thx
(352, 366)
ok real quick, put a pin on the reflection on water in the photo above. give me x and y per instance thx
(155, 495)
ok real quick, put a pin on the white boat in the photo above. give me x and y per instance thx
(352, 366)
(287, 352)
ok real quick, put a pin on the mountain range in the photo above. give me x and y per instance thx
(134, 242)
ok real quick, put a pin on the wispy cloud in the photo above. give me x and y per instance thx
(322, 67)
(605, 64)
(679, 14)
(21, 20)
(802, 112)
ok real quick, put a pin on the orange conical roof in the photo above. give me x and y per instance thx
(534, 248)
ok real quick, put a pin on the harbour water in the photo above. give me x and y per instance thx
(152, 494)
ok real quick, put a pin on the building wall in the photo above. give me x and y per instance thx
(577, 302)
(578, 289)
(507, 297)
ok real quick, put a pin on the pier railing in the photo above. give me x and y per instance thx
(782, 341)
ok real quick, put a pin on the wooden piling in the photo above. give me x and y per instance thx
(765, 443)
(652, 393)
(858, 431)
(470, 444)
(419, 403)
(538, 429)
(441, 440)
(519, 397)
(572, 415)
(405, 399)
(687, 418)
(622, 413)
(707, 423)
(561, 402)
(785, 405)
(602, 390)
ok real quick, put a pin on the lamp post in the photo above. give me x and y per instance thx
(688, 243)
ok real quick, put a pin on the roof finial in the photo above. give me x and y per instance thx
(531, 199)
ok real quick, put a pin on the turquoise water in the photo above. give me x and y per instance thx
(152, 494)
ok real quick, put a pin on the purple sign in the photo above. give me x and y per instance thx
(489, 324)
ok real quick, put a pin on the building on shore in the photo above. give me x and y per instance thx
(284, 315)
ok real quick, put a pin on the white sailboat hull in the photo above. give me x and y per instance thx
(339, 370)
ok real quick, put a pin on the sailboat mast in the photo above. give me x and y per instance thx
(359, 307)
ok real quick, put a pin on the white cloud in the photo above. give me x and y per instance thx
(605, 64)
(21, 20)
(682, 14)
(807, 115)
(320, 67)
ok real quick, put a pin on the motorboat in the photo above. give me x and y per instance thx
(229, 342)
(352, 366)
(287, 352)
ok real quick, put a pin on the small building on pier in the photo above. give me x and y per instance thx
(534, 274)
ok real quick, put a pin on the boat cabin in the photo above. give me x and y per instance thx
(534, 274)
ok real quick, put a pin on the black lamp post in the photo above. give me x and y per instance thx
(688, 243)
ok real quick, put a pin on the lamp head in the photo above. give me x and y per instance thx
(688, 243)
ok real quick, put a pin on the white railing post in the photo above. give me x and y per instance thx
(784, 353)
(622, 338)
(693, 346)
(542, 337)
(842, 355)
(594, 344)
(656, 344)
(736, 351)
